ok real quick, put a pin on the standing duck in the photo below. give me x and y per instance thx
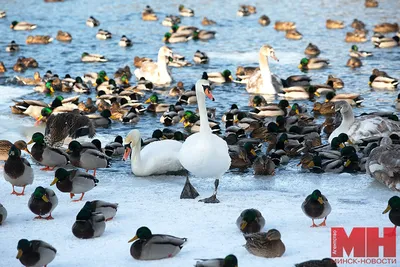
(109, 210)
(316, 206)
(35, 253)
(228, 261)
(250, 221)
(74, 182)
(154, 247)
(3, 214)
(89, 224)
(394, 208)
(267, 245)
(17, 170)
(6, 145)
(43, 201)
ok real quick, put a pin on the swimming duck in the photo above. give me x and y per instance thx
(334, 24)
(148, 14)
(267, 245)
(354, 62)
(300, 93)
(293, 34)
(3, 214)
(326, 108)
(88, 224)
(125, 41)
(335, 82)
(103, 35)
(312, 50)
(115, 148)
(243, 11)
(250, 221)
(352, 98)
(200, 57)
(220, 77)
(18, 67)
(186, 12)
(264, 20)
(74, 182)
(154, 247)
(43, 201)
(64, 36)
(394, 208)
(387, 42)
(371, 3)
(80, 87)
(17, 171)
(12, 47)
(313, 63)
(2, 14)
(102, 119)
(39, 39)
(383, 82)
(207, 22)
(284, 25)
(36, 80)
(183, 30)
(271, 110)
(2, 67)
(6, 145)
(92, 22)
(352, 37)
(327, 262)
(155, 106)
(171, 20)
(203, 35)
(386, 27)
(354, 52)
(47, 156)
(316, 206)
(35, 252)
(228, 261)
(178, 61)
(22, 26)
(86, 57)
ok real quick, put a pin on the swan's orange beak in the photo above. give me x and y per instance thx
(209, 94)
(127, 152)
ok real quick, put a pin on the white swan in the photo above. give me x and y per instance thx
(158, 72)
(204, 154)
(156, 158)
(263, 81)
(363, 127)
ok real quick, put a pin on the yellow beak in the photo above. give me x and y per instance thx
(297, 112)
(243, 225)
(350, 142)
(253, 152)
(230, 77)
(320, 200)
(19, 255)
(147, 101)
(182, 120)
(133, 239)
(164, 40)
(186, 124)
(311, 164)
(317, 94)
(51, 89)
(347, 163)
(300, 66)
(113, 117)
(67, 151)
(387, 209)
(106, 78)
(369, 83)
(45, 199)
(326, 100)
(341, 146)
(30, 142)
(54, 181)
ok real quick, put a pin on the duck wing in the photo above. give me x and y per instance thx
(372, 126)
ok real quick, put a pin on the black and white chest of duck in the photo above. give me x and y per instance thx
(316, 206)
(43, 201)
(88, 224)
(35, 253)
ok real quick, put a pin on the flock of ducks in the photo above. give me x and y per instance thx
(264, 139)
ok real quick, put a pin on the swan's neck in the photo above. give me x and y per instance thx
(201, 102)
(347, 119)
(268, 88)
(135, 156)
(162, 65)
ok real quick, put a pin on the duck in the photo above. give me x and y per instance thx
(103, 34)
(43, 201)
(17, 171)
(3, 214)
(335, 82)
(154, 247)
(183, 30)
(35, 252)
(313, 63)
(178, 61)
(148, 14)
(300, 93)
(3, 68)
(243, 11)
(386, 27)
(171, 20)
(156, 73)
(326, 108)
(267, 245)
(2, 14)
(293, 35)
(354, 62)
(352, 37)
(214, 159)
(312, 50)
(387, 42)
(63, 36)
(36, 80)
(38, 39)
(156, 158)
(394, 208)
(6, 145)
(326, 262)
(92, 22)
(316, 206)
(125, 42)
(264, 20)
(101, 120)
(116, 148)
(371, 3)
(382, 82)
(88, 159)
(155, 106)
(250, 221)
(220, 77)
(228, 261)
(22, 26)
(12, 47)
(207, 22)
(354, 52)
(86, 57)
(264, 165)
(80, 87)
(109, 210)
(74, 182)
(185, 12)
(263, 81)
(334, 24)
(352, 98)
(88, 224)
(47, 156)
(203, 35)
(241, 156)
(284, 25)
(200, 57)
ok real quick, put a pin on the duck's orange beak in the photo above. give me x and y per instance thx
(127, 152)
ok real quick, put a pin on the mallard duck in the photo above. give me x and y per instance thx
(6, 145)
(207, 22)
(175, 38)
(284, 25)
(86, 57)
(88, 159)
(387, 42)
(312, 50)
(154, 247)
(250, 8)
(27, 62)
(243, 11)
(186, 12)
(17, 170)
(327, 262)
(47, 156)
(271, 110)
(371, 3)
(267, 245)
(335, 82)
(354, 62)
(354, 52)
(184, 30)
(63, 36)
(177, 90)
(264, 20)
(326, 108)
(228, 261)
(12, 47)
(35, 252)
(148, 14)
(394, 208)
(200, 57)
(264, 165)
(115, 148)
(352, 37)
(241, 156)
(155, 106)
(250, 221)
(382, 82)
(2, 14)
(313, 63)
(103, 34)
(43, 201)
(36, 80)
(3, 214)
(386, 27)
(220, 77)
(88, 224)
(334, 24)
(39, 39)
(357, 24)
(92, 22)
(171, 20)
(125, 41)
(316, 206)
(351, 98)
(293, 34)
(74, 182)
(300, 93)
(203, 35)
(178, 61)
(18, 67)
(2, 67)
(102, 119)
(22, 26)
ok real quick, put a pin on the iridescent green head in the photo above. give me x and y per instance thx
(354, 48)
(304, 62)
(38, 138)
(45, 112)
(143, 233)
